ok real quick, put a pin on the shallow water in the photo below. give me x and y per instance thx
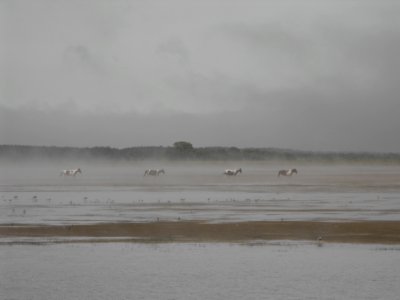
(37, 269)
(36, 194)
(283, 270)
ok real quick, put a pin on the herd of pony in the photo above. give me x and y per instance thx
(157, 172)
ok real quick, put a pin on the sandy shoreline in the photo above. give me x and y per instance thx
(382, 232)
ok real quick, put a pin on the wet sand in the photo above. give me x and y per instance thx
(382, 232)
(196, 203)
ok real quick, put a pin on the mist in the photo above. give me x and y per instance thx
(306, 75)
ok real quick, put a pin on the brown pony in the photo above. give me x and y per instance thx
(234, 172)
(154, 172)
(289, 172)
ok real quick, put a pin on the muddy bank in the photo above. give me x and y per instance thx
(385, 232)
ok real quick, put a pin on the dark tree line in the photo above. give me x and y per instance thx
(185, 151)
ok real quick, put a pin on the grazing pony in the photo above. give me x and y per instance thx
(289, 172)
(153, 172)
(234, 172)
(72, 172)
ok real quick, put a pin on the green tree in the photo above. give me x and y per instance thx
(183, 147)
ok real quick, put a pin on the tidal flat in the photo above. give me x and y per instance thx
(328, 232)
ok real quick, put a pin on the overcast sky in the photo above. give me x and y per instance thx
(308, 75)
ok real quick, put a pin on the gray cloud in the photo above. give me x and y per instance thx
(174, 47)
(81, 56)
(309, 75)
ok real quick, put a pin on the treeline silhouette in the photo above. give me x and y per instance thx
(185, 151)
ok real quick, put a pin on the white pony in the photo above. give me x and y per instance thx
(289, 172)
(234, 172)
(72, 172)
(153, 172)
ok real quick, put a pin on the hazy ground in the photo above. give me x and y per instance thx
(107, 193)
